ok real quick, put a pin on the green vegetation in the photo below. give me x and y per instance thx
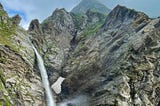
(4, 101)
(46, 21)
(78, 19)
(7, 29)
(91, 30)
(2, 60)
(83, 47)
(2, 79)
(92, 13)
(2, 13)
(80, 49)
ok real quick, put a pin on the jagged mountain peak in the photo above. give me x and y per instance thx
(2, 11)
(59, 21)
(95, 5)
(1, 7)
(35, 26)
(122, 11)
(16, 19)
(34, 22)
(57, 16)
(121, 14)
(59, 11)
(115, 67)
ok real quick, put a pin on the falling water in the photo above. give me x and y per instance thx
(50, 101)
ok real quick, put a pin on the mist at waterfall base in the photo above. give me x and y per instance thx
(50, 101)
(81, 100)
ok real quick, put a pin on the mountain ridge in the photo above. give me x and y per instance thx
(123, 15)
(94, 5)
(109, 60)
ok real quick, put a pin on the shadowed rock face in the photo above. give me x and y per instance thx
(116, 65)
(3, 15)
(59, 34)
(35, 27)
(112, 60)
(1, 7)
(16, 19)
(123, 16)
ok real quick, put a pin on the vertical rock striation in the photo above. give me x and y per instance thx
(112, 60)
(20, 85)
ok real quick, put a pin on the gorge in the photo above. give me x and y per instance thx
(81, 58)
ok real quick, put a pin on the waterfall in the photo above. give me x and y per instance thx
(50, 101)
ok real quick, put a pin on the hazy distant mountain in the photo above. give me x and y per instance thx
(95, 5)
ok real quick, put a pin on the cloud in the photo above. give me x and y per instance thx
(150, 7)
(35, 9)
(41, 9)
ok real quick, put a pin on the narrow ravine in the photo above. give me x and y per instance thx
(50, 100)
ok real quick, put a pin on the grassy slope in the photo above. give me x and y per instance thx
(7, 29)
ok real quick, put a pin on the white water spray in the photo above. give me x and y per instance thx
(81, 100)
(50, 101)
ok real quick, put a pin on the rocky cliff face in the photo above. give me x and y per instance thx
(57, 36)
(112, 62)
(118, 64)
(20, 84)
(106, 60)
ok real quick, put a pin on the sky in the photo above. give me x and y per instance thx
(41, 9)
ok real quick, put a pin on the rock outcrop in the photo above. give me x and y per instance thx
(117, 64)
(106, 60)
(122, 16)
(20, 84)
(57, 36)
(112, 62)
(16, 20)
